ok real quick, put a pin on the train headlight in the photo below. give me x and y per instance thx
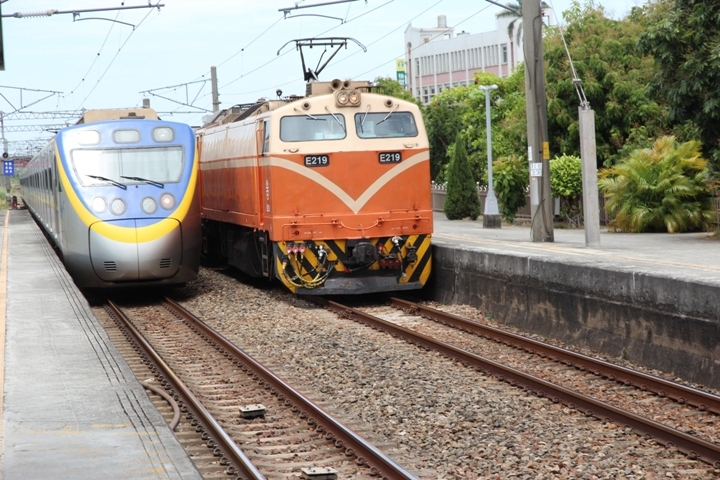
(148, 205)
(88, 137)
(117, 206)
(167, 201)
(163, 134)
(354, 98)
(341, 98)
(99, 204)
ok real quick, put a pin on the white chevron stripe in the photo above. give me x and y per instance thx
(312, 174)
(353, 204)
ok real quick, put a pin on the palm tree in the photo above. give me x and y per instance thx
(659, 189)
(514, 11)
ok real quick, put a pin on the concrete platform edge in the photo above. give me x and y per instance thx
(656, 321)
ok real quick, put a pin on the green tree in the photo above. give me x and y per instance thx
(684, 39)
(444, 121)
(462, 198)
(566, 183)
(514, 11)
(389, 86)
(615, 75)
(511, 179)
(507, 119)
(662, 189)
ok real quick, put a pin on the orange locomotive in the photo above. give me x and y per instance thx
(328, 193)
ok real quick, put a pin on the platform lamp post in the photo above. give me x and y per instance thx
(491, 214)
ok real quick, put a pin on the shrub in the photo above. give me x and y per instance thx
(462, 197)
(566, 183)
(659, 189)
(510, 181)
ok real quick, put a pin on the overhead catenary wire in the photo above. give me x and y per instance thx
(283, 54)
(433, 38)
(96, 56)
(575, 79)
(114, 58)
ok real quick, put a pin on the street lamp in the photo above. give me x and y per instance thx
(491, 214)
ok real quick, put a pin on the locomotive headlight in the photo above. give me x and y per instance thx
(342, 98)
(167, 201)
(163, 134)
(99, 204)
(117, 206)
(148, 205)
(88, 137)
(354, 98)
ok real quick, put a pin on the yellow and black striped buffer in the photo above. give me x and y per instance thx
(323, 259)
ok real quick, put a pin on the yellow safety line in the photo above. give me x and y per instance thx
(3, 312)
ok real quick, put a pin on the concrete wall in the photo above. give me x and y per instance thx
(668, 324)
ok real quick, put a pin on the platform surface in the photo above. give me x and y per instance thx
(684, 256)
(72, 407)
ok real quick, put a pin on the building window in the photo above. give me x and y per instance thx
(504, 54)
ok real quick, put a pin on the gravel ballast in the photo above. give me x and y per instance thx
(431, 414)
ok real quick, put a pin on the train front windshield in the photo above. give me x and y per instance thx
(381, 125)
(159, 164)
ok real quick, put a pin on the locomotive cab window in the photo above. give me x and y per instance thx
(385, 125)
(158, 164)
(305, 128)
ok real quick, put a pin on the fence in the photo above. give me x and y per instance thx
(439, 191)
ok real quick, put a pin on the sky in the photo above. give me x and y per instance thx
(62, 63)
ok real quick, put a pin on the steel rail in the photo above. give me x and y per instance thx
(227, 449)
(366, 454)
(694, 448)
(664, 388)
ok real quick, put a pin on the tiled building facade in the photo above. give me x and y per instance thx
(438, 58)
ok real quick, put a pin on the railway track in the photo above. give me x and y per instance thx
(248, 423)
(694, 409)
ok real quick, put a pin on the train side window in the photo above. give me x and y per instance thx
(266, 137)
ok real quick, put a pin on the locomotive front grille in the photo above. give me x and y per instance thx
(110, 266)
(165, 262)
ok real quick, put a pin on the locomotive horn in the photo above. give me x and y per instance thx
(336, 84)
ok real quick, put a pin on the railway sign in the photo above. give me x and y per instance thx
(8, 168)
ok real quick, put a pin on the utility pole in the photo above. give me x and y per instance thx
(541, 204)
(214, 86)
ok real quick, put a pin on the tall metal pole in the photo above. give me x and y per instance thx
(214, 86)
(491, 214)
(541, 204)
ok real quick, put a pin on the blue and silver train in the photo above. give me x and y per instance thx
(117, 194)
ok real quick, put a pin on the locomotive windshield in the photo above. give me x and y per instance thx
(303, 128)
(384, 125)
(156, 164)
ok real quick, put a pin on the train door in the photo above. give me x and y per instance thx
(55, 193)
(229, 179)
(198, 154)
(262, 146)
